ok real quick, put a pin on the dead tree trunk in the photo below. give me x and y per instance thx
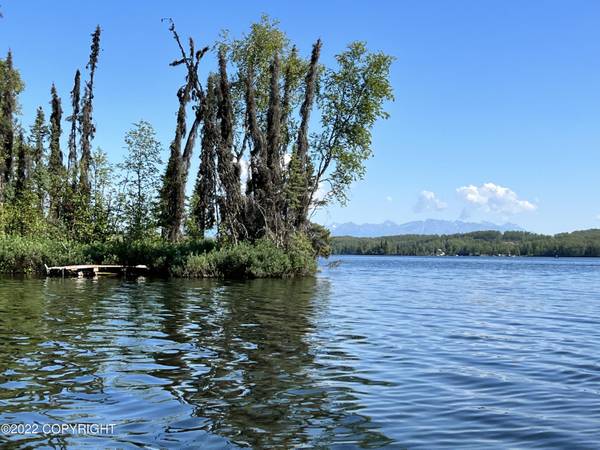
(173, 192)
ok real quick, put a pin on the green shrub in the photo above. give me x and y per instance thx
(159, 255)
(24, 255)
(197, 266)
(302, 256)
(261, 259)
(188, 258)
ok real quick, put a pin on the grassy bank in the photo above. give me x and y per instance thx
(187, 258)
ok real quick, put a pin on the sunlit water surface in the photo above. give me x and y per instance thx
(379, 351)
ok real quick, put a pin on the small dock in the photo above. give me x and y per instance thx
(95, 270)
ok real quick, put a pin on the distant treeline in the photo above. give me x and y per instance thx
(479, 243)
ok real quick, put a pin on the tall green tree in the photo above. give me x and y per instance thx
(102, 205)
(74, 119)
(230, 201)
(203, 210)
(351, 100)
(294, 170)
(39, 135)
(22, 175)
(141, 180)
(171, 215)
(10, 87)
(22, 214)
(70, 195)
(87, 125)
(93, 215)
(56, 169)
(37, 161)
(263, 61)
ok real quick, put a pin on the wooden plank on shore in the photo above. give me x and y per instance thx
(94, 270)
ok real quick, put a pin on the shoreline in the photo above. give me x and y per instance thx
(191, 258)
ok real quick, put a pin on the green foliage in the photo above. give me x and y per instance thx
(141, 180)
(161, 256)
(23, 217)
(22, 255)
(93, 216)
(320, 239)
(480, 243)
(302, 255)
(271, 87)
(259, 260)
(36, 164)
(296, 183)
(188, 258)
(254, 52)
(10, 79)
(351, 99)
(87, 127)
(203, 204)
(10, 88)
(261, 115)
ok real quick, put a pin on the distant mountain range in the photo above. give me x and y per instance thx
(429, 226)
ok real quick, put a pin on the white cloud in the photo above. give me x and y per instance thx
(597, 216)
(245, 172)
(320, 193)
(428, 201)
(490, 197)
(287, 157)
(389, 198)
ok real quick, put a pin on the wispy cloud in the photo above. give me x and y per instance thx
(428, 201)
(490, 197)
(389, 198)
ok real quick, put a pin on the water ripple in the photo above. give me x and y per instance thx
(377, 352)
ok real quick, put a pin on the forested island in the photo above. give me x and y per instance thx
(277, 135)
(480, 243)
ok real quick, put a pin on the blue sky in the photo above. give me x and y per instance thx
(497, 111)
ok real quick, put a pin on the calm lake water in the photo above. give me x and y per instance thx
(377, 352)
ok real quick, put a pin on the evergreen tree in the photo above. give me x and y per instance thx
(170, 214)
(230, 202)
(39, 134)
(21, 180)
(56, 170)
(10, 87)
(74, 119)
(87, 126)
(70, 196)
(36, 165)
(203, 212)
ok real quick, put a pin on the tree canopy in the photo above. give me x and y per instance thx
(276, 132)
(256, 117)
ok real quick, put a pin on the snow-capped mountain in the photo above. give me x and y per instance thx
(429, 226)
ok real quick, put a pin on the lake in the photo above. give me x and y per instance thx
(393, 352)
